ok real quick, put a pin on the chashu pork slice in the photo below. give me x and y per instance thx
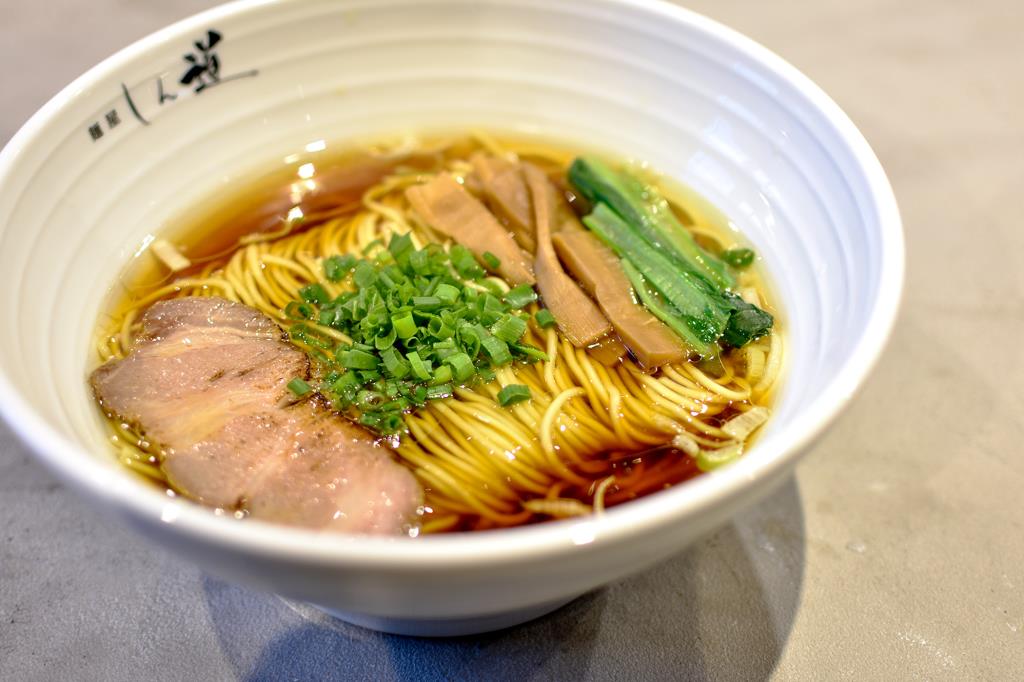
(207, 381)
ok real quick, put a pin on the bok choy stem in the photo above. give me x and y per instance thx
(649, 213)
(692, 286)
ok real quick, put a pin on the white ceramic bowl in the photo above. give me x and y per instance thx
(640, 79)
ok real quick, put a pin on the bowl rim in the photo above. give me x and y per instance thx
(640, 517)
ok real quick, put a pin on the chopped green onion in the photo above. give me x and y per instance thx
(470, 337)
(493, 287)
(314, 293)
(384, 422)
(330, 316)
(304, 334)
(530, 353)
(438, 392)
(520, 296)
(336, 267)
(393, 363)
(401, 406)
(426, 302)
(343, 382)
(299, 387)
(491, 260)
(497, 350)
(400, 245)
(297, 310)
(385, 339)
(420, 367)
(391, 388)
(512, 394)
(544, 318)
(391, 423)
(493, 309)
(438, 329)
(739, 258)
(442, 354)
(447, 293)
(464, 263)
(442, 375)
(366, 398)
(358, 359)
(417, 322)
(364, 275)
(461, 365)
(418, 395)
(404, 325)
(419, 261)
(509, 328)
(387, 281)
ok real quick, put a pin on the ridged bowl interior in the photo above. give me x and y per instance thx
(635, 79)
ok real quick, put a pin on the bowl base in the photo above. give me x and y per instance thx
(447, 627)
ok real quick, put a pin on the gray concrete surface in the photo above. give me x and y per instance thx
(896, 553)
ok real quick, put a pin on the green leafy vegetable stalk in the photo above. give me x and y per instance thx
(678, 281)
(647, 212)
